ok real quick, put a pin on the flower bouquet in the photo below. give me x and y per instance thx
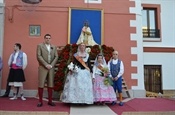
(105, 73)
(108, 81)
(88, 50)
(72, 67)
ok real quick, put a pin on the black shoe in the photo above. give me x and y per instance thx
(5, 95)
(121, 104)
(39, 104)
(51, 104)
(113, 103)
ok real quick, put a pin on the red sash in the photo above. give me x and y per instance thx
(82, 62)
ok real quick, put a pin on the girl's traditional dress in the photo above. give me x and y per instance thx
(102, 92)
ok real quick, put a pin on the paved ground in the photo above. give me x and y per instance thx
(91, 110)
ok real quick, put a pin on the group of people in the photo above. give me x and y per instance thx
(83, 86)
(47, 57)
(86, 85)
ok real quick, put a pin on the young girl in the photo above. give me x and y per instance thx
(102, 92)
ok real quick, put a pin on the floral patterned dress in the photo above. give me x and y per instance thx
(102, 92)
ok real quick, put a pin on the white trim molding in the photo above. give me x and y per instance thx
(93, 1)
(139, 90)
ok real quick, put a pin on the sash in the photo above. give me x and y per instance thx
(103, 71)
(81, 61)
(99, 67)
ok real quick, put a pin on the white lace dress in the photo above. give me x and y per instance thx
(78, 87)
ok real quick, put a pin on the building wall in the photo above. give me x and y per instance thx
(163, 52)
(53, 17)
(167, 14)
(167, 60)
(139, 89)
(1, 27)
(1, 33)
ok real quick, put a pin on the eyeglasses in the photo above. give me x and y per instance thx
(115, 54)
(47, 38)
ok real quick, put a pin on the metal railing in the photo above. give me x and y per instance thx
(151, 33)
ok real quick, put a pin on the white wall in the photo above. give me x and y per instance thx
(139, 49)
(167, 60)
(167, 8)
(139, 90)
(1, 27)
(1, 33)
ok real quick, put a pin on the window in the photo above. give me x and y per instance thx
(92, 1)
(149, 23)
(152, 78)
(34, 30)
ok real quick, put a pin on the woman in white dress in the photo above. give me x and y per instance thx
(78, 84)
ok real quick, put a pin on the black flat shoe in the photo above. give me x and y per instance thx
(121, 104)
(51, 104)
(39, 105)
(113, 103)
(5, 95)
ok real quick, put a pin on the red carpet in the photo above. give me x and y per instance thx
(120, 109)
(157, 104)
(134, 105)
(30, 105)
(145, 104)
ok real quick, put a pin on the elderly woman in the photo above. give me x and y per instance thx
(78, 85)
